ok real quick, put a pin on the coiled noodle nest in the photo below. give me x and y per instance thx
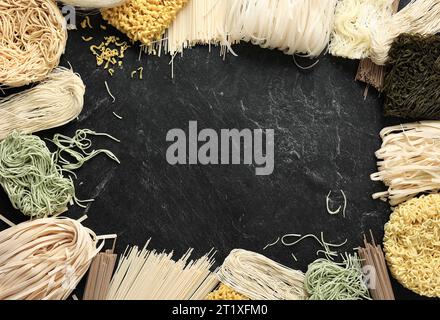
(32, 39)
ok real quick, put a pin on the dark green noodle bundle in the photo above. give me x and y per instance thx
(412, 83)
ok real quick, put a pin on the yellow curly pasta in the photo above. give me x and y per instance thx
(226, 293)
(412, 245)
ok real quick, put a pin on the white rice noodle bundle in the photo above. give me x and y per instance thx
(418, 17)
(292, 26)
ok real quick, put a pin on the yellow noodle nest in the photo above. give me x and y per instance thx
(412, 244)
(144, 20)
(32, 40)
(225, 293)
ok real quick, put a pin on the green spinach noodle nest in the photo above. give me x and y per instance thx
(32, 180)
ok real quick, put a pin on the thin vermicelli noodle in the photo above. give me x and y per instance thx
(33, 38)
(259, 278)
(54, 102)
(408, 161)
(418, 17)
(44, 259)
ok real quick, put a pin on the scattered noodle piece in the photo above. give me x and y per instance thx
(86, 23)
(412, 245)
(108, 90)
(87, 39)
(225, 293)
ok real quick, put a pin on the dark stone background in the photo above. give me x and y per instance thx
(325, 135)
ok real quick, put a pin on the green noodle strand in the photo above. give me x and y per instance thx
(31, 178)
(81, 142)
(413, 80)
(328, 280)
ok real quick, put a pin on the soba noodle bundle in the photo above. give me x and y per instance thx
(44, 259)
(56, 101)
(33, 38)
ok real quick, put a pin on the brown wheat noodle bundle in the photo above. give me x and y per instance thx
(45, 259)
(54, 102)
(32, 40)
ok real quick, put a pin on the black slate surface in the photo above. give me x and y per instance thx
(325, 138)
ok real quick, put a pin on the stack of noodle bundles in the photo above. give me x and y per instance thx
(412, 245)
(408, 161)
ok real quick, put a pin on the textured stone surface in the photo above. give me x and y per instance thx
(325, 136)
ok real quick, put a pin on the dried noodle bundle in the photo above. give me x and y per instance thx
(351, 37)
(412, 82)
(418, 17)
(33, 38)
(56, 101)
(412, 245)
(408, 161)
(259, 278)
(44, 259)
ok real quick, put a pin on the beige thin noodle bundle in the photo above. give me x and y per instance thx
(99, 277)
(260, 278)
(412, 245)
(351, 37)
(292, 26)
(54, 102)
(33, 38)
(93, 4)
(418, 17)
(408, 161)
(149, 275)
(44, 259)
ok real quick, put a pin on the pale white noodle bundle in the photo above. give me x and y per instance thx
(149, 275)
(93, 4)
(32, 40)
(44, 259)
(259, 278)
(418, 17)
(354, 19)
(292, 26)
(52, 103)
(409, 161)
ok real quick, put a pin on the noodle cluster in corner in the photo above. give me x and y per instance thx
(46, 257)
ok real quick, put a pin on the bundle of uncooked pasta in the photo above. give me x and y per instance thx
(408, 161)
(44, 259)
(149, 275)
(354, 19)
(54, 102)
(411, 245)
(259, 278)
(418, 17)
(292, 26)
(33, 38)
